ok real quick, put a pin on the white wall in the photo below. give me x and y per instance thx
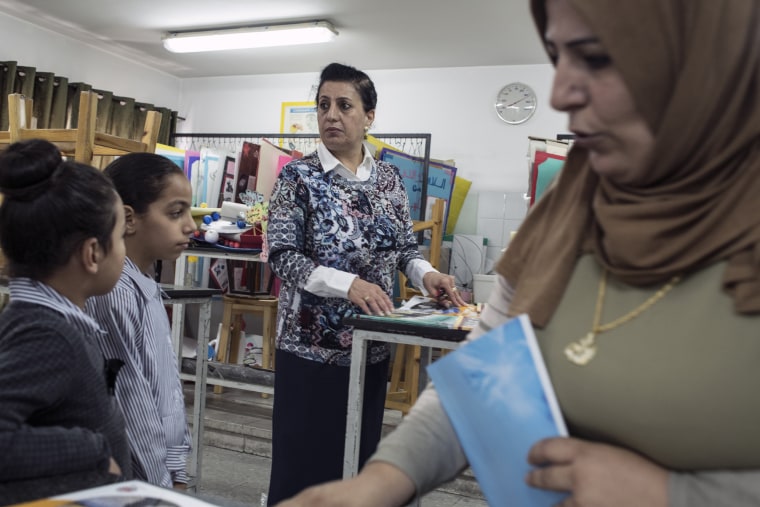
(455, 105)
(48, 52)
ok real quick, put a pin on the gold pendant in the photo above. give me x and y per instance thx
(581, 352)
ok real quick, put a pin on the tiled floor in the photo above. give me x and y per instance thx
(237, 451)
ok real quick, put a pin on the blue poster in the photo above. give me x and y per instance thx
(441, 179)
(412, 173)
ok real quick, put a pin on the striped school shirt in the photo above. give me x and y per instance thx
(149, 390)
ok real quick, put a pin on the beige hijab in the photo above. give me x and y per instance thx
(693, 68)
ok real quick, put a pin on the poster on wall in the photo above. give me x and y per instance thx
(228, 184)
(299, 118)
(438, 180)
(440, 185)
(247, 170)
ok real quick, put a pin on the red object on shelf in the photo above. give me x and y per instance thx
(252, 238)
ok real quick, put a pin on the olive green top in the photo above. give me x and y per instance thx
(678, 383)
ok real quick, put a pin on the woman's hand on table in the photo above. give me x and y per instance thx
(442, 287)
(370, 297)
(597, 474)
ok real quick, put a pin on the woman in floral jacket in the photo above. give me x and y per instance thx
(339, 228)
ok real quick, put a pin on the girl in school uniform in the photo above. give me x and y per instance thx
(156, 195)
(62, 234)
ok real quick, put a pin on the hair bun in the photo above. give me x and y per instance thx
(29, 168)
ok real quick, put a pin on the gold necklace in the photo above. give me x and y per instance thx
(581, 352)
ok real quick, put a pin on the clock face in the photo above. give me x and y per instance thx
(515, 103)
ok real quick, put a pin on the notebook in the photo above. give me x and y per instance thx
(498, 397)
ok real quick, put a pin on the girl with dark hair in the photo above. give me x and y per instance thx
(62, 233)
(156, 195)
(339, 229)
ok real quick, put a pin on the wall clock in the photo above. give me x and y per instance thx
(515, 103)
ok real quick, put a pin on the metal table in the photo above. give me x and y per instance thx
(180, 296)
(200, 378)
(365, 331)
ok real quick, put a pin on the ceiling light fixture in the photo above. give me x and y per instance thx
(250, 37)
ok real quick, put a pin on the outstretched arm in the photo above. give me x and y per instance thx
(378, 485)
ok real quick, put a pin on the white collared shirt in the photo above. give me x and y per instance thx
(331, 163)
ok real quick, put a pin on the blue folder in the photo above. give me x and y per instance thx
(497, 394)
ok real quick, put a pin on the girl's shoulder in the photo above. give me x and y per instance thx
(125, 302)
(27, 324)
(126, 289)
(33, 313)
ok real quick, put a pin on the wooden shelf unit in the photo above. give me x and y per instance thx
(83, 142)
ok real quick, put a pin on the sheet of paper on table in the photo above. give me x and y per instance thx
(122, 494)
(425, 311)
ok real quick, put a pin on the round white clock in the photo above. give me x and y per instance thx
(515, 103)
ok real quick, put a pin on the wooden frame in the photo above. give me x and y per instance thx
(82, 143)
(405, 370)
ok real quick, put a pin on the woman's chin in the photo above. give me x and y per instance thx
(605, 166)
(334, 142)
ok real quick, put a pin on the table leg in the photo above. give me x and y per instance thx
(199, 405)
(426, 357)
(355, 398)
(178, 319)
(178, 312)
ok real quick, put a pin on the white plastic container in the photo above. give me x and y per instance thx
(482, 286)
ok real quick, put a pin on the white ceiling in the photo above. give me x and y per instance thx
(373, 34)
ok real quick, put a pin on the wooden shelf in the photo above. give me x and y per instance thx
(82, 143)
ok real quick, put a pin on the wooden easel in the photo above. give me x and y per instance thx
(405, 370)
(235, 306)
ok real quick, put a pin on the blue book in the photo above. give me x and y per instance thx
(497, 394)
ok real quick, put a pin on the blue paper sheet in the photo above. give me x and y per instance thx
(497, 394)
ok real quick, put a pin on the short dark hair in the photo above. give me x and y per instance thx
(140, 178)
(347, 74)
(50, 206)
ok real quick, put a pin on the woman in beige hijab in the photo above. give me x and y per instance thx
(639, 269)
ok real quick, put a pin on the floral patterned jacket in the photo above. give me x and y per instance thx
(324, 219)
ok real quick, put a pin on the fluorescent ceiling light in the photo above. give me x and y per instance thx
(250, 37)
